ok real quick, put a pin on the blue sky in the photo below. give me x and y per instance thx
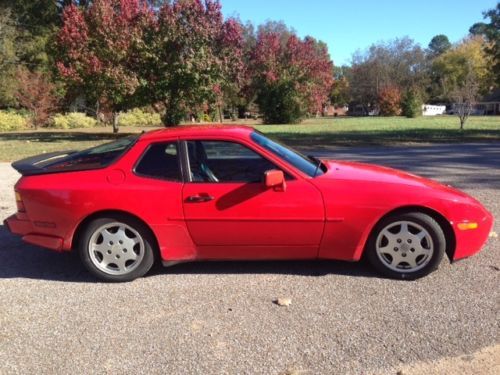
(356, 24)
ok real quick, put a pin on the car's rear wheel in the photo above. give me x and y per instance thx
(406, 246)
(116, 248)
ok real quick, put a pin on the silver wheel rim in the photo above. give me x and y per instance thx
(116, 248)
(404, 246)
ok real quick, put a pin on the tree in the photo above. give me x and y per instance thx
(190, 57)
(8, 58)
(411, 104)
(98, 51)
(399, 63)
(491, 32)
(291, 76)
(389, 101)
(340, 94)
(464, 96)
(450, 69)
(439, 45)
(244, 99)
(36, 93)
(36, 24)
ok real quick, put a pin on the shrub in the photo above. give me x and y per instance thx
(73, 120)
(411, 104)
(138, 117)
(12, 121)
(205, 117)
(389, 101)
(36, 93)
(280, 104)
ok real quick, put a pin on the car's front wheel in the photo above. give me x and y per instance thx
(406, 246)
(116, 248)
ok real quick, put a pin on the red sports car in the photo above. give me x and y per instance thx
(228, 192)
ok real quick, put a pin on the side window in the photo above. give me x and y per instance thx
(222, 161)
(160, 161)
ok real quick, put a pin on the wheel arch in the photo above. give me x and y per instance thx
(440, 219)
(106, 213)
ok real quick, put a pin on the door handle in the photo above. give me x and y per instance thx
(200, 198)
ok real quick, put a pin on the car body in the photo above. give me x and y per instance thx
(195, 191)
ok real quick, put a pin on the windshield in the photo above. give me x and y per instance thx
(92, 158)
(308, 165)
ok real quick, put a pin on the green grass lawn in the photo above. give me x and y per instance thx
(318, 133)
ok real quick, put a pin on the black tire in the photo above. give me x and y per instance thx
(429, 263)
(144, 250)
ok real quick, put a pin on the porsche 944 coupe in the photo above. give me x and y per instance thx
(230, 193)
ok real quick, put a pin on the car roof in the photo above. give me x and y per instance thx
(188, 130)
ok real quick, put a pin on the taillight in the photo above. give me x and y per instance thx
(19, 203)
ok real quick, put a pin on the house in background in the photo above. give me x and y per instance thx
(489, 105)
(335, 110)
(433, 110)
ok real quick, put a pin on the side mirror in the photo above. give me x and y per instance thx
(275, 179)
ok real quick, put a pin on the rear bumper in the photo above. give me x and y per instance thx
(25, 229)
(17, 226)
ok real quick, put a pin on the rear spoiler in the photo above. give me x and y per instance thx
(36, 164)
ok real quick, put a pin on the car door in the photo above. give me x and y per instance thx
(230, 213)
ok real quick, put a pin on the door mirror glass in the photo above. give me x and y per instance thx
(275, 179)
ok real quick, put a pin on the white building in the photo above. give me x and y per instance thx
(433, 110)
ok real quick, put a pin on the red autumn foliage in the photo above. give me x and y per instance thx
(97, 47)
(303, 63)
(36, 93)
(128, 53)
(195, 57)
(389, 101)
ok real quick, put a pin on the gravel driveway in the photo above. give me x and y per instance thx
(218, 318)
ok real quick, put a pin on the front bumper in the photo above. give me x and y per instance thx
(470, 242)
(25, 229)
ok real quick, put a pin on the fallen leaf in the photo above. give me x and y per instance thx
(283, 301)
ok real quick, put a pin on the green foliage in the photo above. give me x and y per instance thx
(36, 22)
(72, 120)
(450, 70)
(205, 117)
(138, 117)
(398, 62)
(280, 103)
(411, 104)
(439, 44)
(8, 59)
(190, 56)
(12, 121)
(340, 94)
(491, 31)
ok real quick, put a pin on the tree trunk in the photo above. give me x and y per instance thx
(116, 115)
(219, 108)
(97, 112)
(35, 120)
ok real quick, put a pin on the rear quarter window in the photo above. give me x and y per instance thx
(161, 161)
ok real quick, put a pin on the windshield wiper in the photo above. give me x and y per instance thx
(318, 163)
